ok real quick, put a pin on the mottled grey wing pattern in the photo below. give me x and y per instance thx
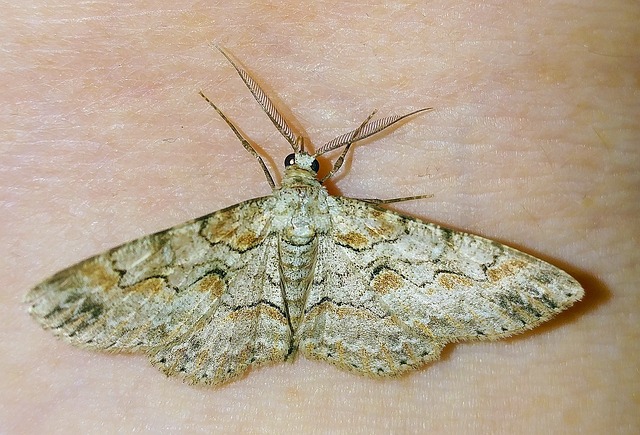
(202, 292)
(367, 289)
(390, 291)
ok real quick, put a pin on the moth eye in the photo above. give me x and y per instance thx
(290, 160)
(315, 166)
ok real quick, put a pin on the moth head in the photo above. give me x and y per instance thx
(302, 160)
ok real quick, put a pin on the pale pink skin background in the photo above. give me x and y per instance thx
(533, 142)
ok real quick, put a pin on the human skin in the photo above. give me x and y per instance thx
(533, 142)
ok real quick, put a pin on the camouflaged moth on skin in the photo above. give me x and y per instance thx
(337, 279)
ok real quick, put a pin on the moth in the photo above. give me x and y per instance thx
(337, 279)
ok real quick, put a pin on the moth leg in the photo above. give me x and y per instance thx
(245, 143)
